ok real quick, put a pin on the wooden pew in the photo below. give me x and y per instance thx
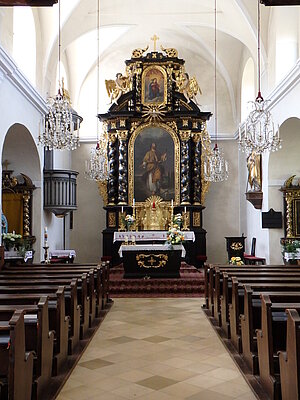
(224, 292)
(15, 363)
(101, 278)
(253, 276)
(271, 338)
(70, 303)
(236, 308)
(289, 360)
(44, 350)
(58, 321)
(251, 319)
(88, 302)
(213, 279)
(82, 290)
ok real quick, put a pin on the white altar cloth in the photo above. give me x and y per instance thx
(159, 247)
(149, 235)
(62, 253)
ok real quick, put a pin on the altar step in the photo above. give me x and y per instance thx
(190, 284)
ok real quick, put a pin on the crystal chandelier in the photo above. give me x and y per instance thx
(62, 123)
(215, 167)
(96, 168)
(260, 134)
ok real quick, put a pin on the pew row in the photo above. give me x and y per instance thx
(16, 364)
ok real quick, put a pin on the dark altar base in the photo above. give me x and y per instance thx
(190, 284)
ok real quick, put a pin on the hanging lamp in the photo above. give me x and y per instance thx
(259, 133)
(62, 123)
(96, 167)
(215, 166)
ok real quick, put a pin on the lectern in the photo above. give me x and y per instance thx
(235, 246)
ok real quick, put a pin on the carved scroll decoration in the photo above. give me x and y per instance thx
(185, 167)
(123, 183)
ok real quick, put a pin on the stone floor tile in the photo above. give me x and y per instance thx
(157, 382)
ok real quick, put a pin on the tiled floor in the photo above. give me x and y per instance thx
(156, 349)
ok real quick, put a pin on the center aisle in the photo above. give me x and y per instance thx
(156, 349)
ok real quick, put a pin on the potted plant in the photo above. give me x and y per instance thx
(236, 261)
(11, 241)
(291, 251)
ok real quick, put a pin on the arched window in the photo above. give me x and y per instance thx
(247, 89)
(24, 41)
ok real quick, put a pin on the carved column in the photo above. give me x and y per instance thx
(185, 167)
(112, 169)
(197, 169)
(123, 181)
(26, 214)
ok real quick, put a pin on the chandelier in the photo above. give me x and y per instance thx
(96, 168)
(62, 123)
(260, 134)
(215, 167)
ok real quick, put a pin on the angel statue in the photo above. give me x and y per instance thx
(116, 88)
(188, 87)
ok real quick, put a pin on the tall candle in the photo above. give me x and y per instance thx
(184, 209)
(133, 203)
(122, 209)
(172, 203)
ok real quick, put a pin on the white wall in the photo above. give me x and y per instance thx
(89, 219)
(221, 217)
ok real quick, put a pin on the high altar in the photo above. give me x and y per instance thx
(156, 139)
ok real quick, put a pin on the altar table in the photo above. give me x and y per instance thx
(153, 261)
(142, 236)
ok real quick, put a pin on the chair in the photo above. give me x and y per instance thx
(251, 259)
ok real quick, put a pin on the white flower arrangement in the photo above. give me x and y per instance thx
(129, 220)
(12, 237)
(174, 236)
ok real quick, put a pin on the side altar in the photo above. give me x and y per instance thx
(156, 140)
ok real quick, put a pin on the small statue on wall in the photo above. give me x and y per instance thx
(116, 88)
(188, 86)
(254, 172)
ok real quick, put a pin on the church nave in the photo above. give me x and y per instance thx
(159, 349)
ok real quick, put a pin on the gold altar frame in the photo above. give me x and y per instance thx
(162, 71)
(131, 143)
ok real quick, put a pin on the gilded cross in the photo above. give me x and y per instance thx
(152, 261)
(155, 39)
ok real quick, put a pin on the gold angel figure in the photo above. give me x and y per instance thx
(116, 88)
(188, 87)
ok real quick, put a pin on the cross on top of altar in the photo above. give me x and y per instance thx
(155, 38)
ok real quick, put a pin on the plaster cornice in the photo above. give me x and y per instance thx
(10, 71)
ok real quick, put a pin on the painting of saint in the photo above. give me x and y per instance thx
(153, 83)
(154, 164)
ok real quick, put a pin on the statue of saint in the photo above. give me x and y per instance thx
(254, 172)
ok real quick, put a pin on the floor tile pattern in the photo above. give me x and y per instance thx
(156, 349)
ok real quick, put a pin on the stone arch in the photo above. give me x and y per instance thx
(20, 150)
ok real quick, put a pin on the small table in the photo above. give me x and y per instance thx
(62, 256)
(154, 261)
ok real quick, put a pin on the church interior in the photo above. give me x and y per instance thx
(150, 188)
